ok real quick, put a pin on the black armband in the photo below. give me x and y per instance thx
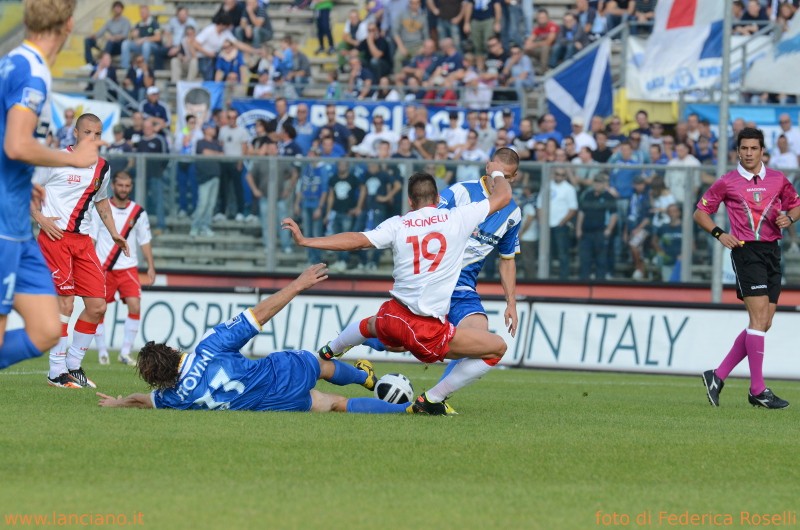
(717, 231)
(792, 221)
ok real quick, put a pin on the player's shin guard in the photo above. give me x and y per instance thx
(374, 406)
(755, 358)
(346, 374)
(350, 336)
(466, 372)
(131, 329)
(82, 337)
(17, 346)
(58, 353)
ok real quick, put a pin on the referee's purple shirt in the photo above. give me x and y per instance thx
(753, 201)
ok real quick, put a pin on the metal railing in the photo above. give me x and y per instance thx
(158, 190)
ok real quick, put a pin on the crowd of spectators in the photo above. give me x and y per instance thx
(437, 51)
(442, 52)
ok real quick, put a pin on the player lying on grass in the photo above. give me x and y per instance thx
(428, 248)
(218, 377)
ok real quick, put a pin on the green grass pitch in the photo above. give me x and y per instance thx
(530, 449)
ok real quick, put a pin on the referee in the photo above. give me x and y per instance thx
(754, 197)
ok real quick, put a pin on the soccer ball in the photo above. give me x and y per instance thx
(394, 388)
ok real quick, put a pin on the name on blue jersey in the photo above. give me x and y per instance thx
(193, 378)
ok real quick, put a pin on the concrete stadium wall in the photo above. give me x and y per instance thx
(625, 337)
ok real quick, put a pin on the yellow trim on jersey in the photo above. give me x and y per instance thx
(253, 320)
(35, 47)
(483, 185)
(183, 360)
(20, 105)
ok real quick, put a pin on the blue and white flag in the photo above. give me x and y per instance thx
(109, 113)
(582, 90)
(777, 70)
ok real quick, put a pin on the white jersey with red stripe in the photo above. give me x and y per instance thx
(428, 247)
(70, 193)
(133, 224)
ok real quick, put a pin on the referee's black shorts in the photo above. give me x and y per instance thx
(757, 265)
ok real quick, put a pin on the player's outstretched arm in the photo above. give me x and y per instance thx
(343, 241)
(501, 194)
(21, 145)
(270, 306)
(135, 401)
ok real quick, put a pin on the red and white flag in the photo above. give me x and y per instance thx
(685, 32)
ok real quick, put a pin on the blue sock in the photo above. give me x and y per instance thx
(374, 406)
(346, 374)
(16, 347)
(375, 344)
(449, 368)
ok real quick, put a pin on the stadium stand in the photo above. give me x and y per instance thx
(238, 242)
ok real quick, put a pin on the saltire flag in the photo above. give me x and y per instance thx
(684, 33)
(582, 90)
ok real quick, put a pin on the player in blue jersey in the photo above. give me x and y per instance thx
(25, 283)
(218, 377)
(500, 230)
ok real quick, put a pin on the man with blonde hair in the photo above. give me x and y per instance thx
(25, 107)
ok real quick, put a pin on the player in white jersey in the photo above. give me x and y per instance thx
(121, 271)
(25, 110)
(67, 248)
(498, 231)
(428, 247)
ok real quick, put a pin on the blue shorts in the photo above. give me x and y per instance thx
(464, 304)
(296, 373)
(22, 270)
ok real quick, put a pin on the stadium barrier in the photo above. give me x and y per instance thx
(156, 187)
(573, 335)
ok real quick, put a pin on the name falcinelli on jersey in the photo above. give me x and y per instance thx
(427, 221)
(192, 379)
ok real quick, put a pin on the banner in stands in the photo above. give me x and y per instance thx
(777, 71)
(550, 335)
(701, 74)
(198, 98)
(109, 113)
(765, 116)
(251, 110)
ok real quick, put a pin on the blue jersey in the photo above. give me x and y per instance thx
(217, 376)
(500, 230)
(25, 84)
(314, 183)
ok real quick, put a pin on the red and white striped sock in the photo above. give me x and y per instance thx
(58, 353)
(82, 337)
(131, 329)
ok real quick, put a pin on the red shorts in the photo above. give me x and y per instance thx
(74, 265)
(427, 338)
(126, 281)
